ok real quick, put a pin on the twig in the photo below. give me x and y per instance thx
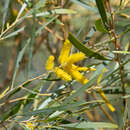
(118, 48)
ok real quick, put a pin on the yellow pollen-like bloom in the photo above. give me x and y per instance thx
(75, 57)
(79, 68)
(30, 125)
(100, 76)
(91, 69)
(68, 69)
(102, 93)
(78, 76)
(62, 74)
(65, 51)
(106, 100)
(82, 68)
(50, 63)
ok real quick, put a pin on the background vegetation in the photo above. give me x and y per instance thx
(32, 97)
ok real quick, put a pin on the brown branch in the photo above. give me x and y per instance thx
(118, 48)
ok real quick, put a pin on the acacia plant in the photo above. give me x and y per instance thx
(64, 64)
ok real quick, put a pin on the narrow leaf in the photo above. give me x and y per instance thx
(64, 107)
(21, 10)
(126, 10)
(13, 33)
(84, 5)
(122, 52)
(19, 58)
(56, 11)
(85, 125)
(5, 13)
(84, 49)
(99, 26)
(12, 111)
(102, 11)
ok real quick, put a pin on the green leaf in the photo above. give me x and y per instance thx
(21, 10)
(121, 52)
(17, 89)
(19, 58)
(47, 111)
(102, 11)
(29, 99)
(99, 26)
(64, 107)
(63, 11)
(126, 10)
(56, 11)
(84, 5)
(127, 96)
(40, 3)
(85, 125)
(32, 42)
(17, 106)
(13, 33)
(12, 111)
(6, 7)
(109, 74)
(84, 49)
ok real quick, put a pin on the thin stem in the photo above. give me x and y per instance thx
(10, 27)
(118, 48)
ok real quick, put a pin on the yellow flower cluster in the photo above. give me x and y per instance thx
(67, 68)
(50, 63)
(102, 93)
(30, 125)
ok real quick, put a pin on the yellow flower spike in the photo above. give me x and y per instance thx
(82, 68)
(4, 92)
(67, 61)
(79, 68)
(50, 63)
(92, 69)
(106, 100)
(100, 76)
(65, 51)
(62, 74)
(102, 93)
(30, 125)
(78, 76)
(75, 57)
